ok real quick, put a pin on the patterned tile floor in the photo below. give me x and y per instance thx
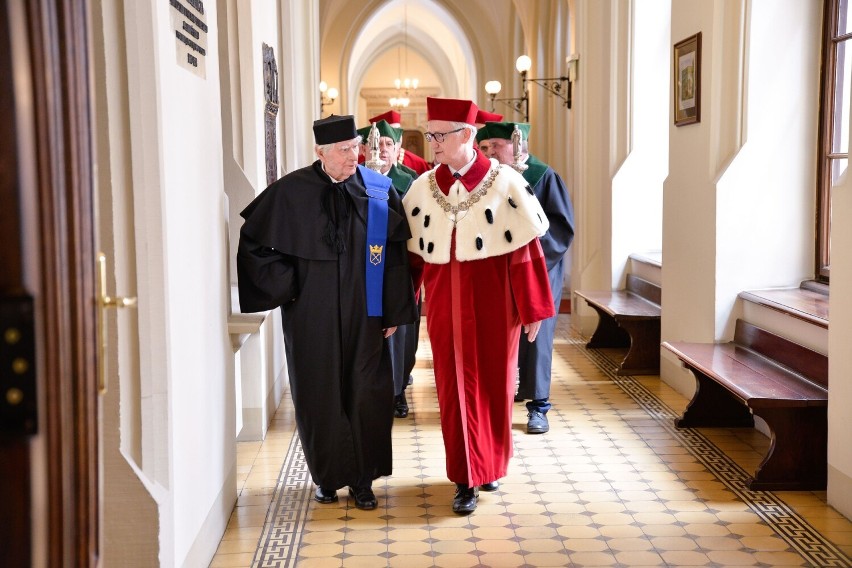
(612, 484)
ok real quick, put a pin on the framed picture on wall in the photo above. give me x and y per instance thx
(687, 80)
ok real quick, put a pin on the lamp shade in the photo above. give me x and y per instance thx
(523, 63)
(493, 87)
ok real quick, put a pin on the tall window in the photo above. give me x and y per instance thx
(834, 123)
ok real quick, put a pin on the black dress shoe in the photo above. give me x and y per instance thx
(325, 495)
(400, 406)
(465, 499)
(493, 486)
(364, 498)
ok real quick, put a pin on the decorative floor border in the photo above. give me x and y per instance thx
(788, 524)
(284, 524)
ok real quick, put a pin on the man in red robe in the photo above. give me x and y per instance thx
(475, 226)
(406, 158)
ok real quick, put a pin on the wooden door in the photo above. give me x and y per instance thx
(49, 471)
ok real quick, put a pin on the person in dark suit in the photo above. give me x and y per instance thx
(535, 359)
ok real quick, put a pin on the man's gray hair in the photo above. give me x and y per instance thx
(327, 147)
(470, 127)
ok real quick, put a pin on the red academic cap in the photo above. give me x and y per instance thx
(391, 116)
(453, 110)
(483, 116)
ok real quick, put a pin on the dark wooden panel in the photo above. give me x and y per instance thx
(15, 473)
(57, 69)
(647, 290)
(797, 357)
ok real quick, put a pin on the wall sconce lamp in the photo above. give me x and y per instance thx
(327, 95)
(519, 104)
(558, 86)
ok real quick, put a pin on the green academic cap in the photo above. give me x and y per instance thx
(503, 130)
(384, 129)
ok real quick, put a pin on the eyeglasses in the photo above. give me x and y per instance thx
(439, 136)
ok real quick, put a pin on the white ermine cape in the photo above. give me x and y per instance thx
(499, 216)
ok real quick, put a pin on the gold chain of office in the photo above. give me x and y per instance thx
(467, 203)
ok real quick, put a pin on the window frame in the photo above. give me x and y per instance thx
(825, 155)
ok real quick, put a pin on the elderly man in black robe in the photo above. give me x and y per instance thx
(327, 243)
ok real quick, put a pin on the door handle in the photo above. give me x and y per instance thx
(104, 302)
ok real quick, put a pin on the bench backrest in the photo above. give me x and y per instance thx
(641, 287)
(797, 357)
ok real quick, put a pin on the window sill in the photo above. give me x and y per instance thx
(808, 302)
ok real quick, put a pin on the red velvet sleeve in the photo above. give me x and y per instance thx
(416, 266)
(530, 283)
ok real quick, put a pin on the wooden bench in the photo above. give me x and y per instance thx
(762, 374)
(629, 318)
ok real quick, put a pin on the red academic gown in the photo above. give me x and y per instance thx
(476, 309)
(414, 161)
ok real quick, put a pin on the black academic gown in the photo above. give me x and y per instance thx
(302, 247)
(535, 359)
(403, 344)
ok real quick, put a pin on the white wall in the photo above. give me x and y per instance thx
(597, 156)
(689, 200)
(637, 187)
(621, 150)
(739, 200)
(766, 196)
(298, 71)
(189, 452)
(201, 394)
(840, 356)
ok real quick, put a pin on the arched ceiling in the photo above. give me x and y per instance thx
(429, 32)
(453, 45)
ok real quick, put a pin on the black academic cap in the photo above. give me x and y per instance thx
(335, 128)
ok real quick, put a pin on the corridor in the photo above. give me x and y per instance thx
(612, 484)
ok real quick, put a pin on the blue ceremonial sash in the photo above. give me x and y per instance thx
(377, 232)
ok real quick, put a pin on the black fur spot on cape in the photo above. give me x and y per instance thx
(426, 221)
(512, 203)
(508, 236)
(529, 190)
(478, 243)
(539, 217)
(415, 212)
(489, 216)
(421, 244)
(430, 248)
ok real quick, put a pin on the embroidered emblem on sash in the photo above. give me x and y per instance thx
(376, 254)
